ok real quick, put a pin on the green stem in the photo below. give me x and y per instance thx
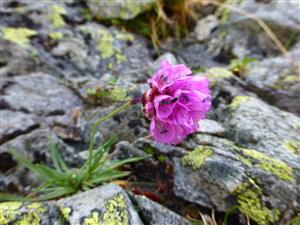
(94, 130)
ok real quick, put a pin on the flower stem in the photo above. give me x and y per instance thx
(94, 130)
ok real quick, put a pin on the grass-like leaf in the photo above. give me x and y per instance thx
(57, 160)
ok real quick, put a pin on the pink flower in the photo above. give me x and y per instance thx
(175, 102)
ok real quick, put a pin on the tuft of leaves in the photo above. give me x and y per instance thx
(60, 180)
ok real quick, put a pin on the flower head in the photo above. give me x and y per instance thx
(175, 102)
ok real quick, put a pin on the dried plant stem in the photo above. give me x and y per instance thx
(202, 218)
(263, 25)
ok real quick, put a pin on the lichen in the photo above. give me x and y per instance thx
(116, 211)
(105, 45)
(272, 165)
(9, 212)
(120, 58)
(93, 219)
(249, 199)
(19, 35)
(292, 146)
(56, 36)
(56, 16)
(38, 207)
(30, 218)
(65, 212)
(218, 72)
(238, 100)
(196, 158)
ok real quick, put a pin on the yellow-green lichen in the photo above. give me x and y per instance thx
(124, 36)
(105, 45)
(196, 158)
(56, 36)
(272, 165)
(30, 218)
(249, 199)
(65, 212)
(292, 146)
(238, 100)
(56, 16)
(19, 35)
(9, 212)
(116, 211)
(38, 207)
(218, 72)
(120, 58)
(93, 219)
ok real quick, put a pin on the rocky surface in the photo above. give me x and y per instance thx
(118, 9)
(62, 67)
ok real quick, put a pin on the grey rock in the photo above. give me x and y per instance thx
(15, 123)
(276, 80)
(150, 145)
(261, 155)
(127, 9)
(40, 93)
(208, 126)
(205, 26)
(167, 56)
(108, 204)
(281, 15)
(254, 124)
(156, 214)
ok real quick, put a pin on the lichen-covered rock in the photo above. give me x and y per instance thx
(257, 169)
(15, 123)
(29, 213)
(108, 204)
(40, 93)
(277, 81)
(123, 9)
(253, 124)
(155, 214)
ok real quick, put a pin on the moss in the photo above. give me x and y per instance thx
(118, 94)
(56, 36)
(105, 45)
(249, 199)
(196, 158)
(238, 100)
(267, 163)
(19, 36)
(65, 212)
(9, 212)
(92, 220)
(291, 145)
(116, 211)
(56, 14)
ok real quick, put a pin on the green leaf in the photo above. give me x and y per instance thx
(22, 160)
(108, 175)
(9, 197)
(119, 163)
(58, 161)
(54, 193)
(50, 173)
